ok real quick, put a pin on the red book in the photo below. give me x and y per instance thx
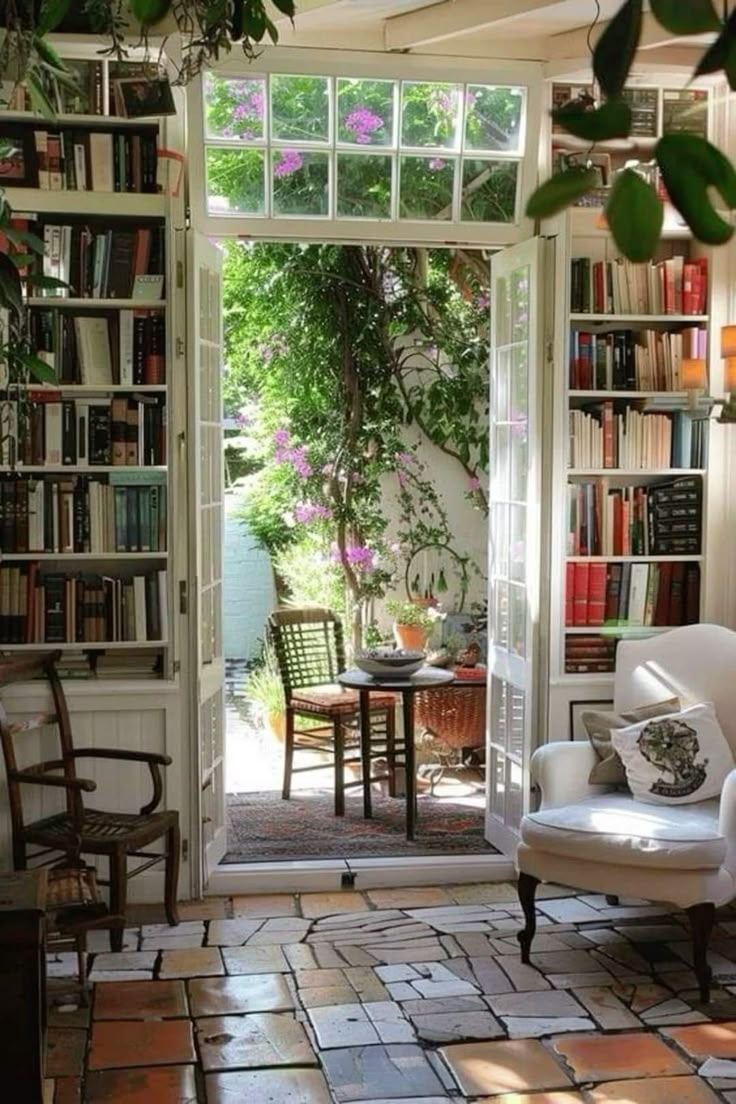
(580, 594)
(569, 588)
(690, 275)
(701, 285)
(596, 594)
(142, 252)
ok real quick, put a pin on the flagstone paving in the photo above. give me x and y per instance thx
(415, 996)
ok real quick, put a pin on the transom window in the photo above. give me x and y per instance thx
(357, 148)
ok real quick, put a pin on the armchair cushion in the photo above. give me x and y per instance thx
(609, 770)
(615, 828)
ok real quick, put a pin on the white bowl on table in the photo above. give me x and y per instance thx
(391, 663)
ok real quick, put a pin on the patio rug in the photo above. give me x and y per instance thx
(263, 828)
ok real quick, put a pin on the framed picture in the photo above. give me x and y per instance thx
(17, 158)
(138, 97)
(576, 729)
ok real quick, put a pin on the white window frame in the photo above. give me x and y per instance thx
(336, 63)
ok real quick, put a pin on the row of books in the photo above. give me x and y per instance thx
(586, 655)
(119, 663)
(95, 160)
(46, 430)
(673, 286)
(647, 594)
(635, 521)
(616, 437)
(126, 347)
(683, 110)
(80, 609)
(81, 514)
(630, 360)
(97, 262)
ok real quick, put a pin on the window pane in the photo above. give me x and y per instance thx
(300, 182)
(489, 190)
(300, 108)
(493, 117)
(234, 108)
(236, 181)
(430, 114)
(363, 185)
(427, 187)
(365, 112)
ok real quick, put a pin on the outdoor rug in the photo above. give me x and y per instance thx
(264, 828)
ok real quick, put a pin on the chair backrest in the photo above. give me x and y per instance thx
(21, 670)
(309, 647)
(696, 662)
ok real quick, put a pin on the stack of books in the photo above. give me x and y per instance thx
(126, 347)
(124, 664)
(94, 160)
(124, 512)
(588, 654)
(635, 521)
(47, 430)
(614, 435)
(635, 594)
(674, 286)
(80, 609)
(630, 360)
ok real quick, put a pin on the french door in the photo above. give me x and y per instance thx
(206, 519)
(514, 539)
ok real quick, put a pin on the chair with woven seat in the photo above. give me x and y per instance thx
(80, 830)
(310, 652)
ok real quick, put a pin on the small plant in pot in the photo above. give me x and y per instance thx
(265, 692)
(412, 624)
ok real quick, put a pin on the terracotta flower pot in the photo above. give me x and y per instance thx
(276, 726)
(411, 637)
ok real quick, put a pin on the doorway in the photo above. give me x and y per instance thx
(356, 454)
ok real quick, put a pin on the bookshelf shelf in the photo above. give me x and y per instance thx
(577, 393)
(85, 645)
(634, 559)
(617, 630)
(641, 319)
(114, 205)
(68, 120)
(93, 388)
(633, 473)
(590, 221)
(89, 470)
(88, 557)
(86, 304)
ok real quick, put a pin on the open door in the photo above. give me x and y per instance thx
(206, 519)
(514, 541)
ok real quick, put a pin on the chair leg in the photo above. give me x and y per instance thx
(702, 918)
(171, 877)
(612, 899)
(81, 944)
(288, 754)
(338, 740)
(527, 888)
(118, 895)
(391, 750)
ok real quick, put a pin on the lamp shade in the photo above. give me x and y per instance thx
(728, 341)
(693, 374)
(729, 374)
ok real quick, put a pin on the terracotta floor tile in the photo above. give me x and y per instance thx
(265, 904)
(423, 897)
(173, 1085)
(68, 1090)
(69, 1016)
(65, 1047)
(534, 1098)
(249, 1042)
(197, 962)
(140, 1000)
(329, 904)
(211, 908)
(604, 1057)
(522, 1065)
(119, 1044)
(684, 1090)
(229, 995)
(272, 1086)
(708, 1040)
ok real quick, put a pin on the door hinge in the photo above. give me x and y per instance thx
(183, 597)
(180, 347)
(177, 666)
(180, 274)
(188, 216)
(185, 850)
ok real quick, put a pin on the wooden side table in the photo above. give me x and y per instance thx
(23, 983)
(426, 679)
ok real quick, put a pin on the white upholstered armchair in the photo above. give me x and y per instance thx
(603, 840)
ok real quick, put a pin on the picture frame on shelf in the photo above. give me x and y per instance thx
(576, 728)
(17, 158)
(139, 98)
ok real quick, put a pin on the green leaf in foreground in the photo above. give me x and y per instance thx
(685, 17)
(11, 295)
(635, 215)
(38, 368)
(721, 55)
(690, 166)
(611, 120)
(49, 282)
(615, 49)
(560, 191)
(51, 15)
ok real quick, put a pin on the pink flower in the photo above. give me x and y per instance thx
(242, 418)
(404, 459)
(307, 512)
(362, 122)
(474, 483)
(290, 162)
(483, 301)
(437, 164)
(395, 548)
(281, 437)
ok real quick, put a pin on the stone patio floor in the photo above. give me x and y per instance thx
(412, 995)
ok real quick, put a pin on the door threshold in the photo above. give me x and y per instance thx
(330, 875)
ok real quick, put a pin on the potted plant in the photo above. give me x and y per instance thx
(412, 624)
(265, 692)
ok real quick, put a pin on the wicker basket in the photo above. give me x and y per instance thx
(455, 714)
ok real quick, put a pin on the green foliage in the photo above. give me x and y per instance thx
(309, 575)
(409, 613)
(264, 688)
(689, 165)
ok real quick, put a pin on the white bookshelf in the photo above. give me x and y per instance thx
(113, 205)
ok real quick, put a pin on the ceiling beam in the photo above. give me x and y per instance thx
(303, 7)
(669, 59)
(453, 18)
(572, 44)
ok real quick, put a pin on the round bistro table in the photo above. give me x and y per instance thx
(426, 678)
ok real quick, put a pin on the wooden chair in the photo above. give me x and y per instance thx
(74, 907)
(310, 653)
(79, 830)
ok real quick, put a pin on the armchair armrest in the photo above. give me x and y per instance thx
(39, 779)
(561, 770)
(154, 760)
(727, 818)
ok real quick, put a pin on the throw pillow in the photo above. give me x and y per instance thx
(609, 770)
(675, 759)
